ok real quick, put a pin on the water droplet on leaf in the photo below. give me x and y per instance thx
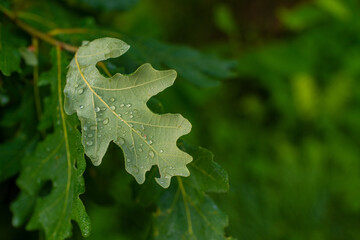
(120, 140)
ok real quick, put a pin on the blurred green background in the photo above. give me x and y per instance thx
(284, 123)
(286, 127)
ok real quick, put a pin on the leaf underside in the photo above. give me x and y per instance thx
(114, 109)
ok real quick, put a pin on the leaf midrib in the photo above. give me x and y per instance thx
(116, 115)
(66, 138)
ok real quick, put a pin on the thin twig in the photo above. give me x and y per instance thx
(36, 33)
(35, 43)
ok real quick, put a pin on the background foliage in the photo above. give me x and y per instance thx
(271, 90)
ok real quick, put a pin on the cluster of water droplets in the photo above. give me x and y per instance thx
(125, 112)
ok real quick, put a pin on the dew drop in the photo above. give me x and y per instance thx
(119, 114)
(142, 127)
(150, 142)
(128, 160)
(81, 106)
(76, 85)
(131, 116)
(131, 125)
(112, 99)
(80, 91)
(140, 150)
(122, 105)
(97, 109)
(93, 128)
(112, 108)
(99, 135)
(103, 109)
(85, 128)
(106, 121)
(128, 105)
(89, 143)
(120, 140)
(151, 154)
(90, 135)
(161, 151)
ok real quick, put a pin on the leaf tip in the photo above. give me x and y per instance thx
(163, 181)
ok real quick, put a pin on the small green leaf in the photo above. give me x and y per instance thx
(51, 180)
(11, 154)
(114, 109)
(206, 174)
(9, 55)
(25, 136)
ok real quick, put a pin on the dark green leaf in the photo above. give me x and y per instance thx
(51, 180)
(200, 69)
(109, 5)
(185, 210)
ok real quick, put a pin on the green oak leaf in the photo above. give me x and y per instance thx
(114, 109)
(185, 211)
(51, 178)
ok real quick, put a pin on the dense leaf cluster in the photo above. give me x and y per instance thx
(44, 148)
